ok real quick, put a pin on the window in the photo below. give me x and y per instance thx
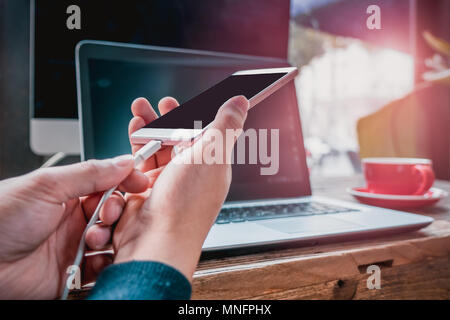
(342, 79)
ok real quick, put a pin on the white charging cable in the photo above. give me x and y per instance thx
(53, 160)
(140, 156)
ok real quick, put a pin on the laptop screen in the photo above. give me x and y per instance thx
(114, 84)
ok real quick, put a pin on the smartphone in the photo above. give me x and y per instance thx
(183, 123)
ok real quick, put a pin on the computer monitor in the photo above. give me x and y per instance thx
(254, 27)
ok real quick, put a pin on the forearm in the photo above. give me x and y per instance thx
(141, 280)
(179, 247)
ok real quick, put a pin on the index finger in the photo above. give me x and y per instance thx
(142, 108)
(166, 105)
(143, 114)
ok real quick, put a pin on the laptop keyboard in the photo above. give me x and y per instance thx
(242, 214)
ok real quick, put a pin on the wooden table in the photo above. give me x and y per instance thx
(414, 265)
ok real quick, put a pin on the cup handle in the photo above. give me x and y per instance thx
(427, 175)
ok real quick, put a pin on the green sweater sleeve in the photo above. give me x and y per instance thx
(141, 280)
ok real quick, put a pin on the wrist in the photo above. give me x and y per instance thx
(179, 252)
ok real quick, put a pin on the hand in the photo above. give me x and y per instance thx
(42, 218)
(143, 114)
(170, 222)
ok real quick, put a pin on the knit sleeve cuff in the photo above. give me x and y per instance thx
(141, 280)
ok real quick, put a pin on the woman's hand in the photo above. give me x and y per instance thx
(43, 215)
(170, 222)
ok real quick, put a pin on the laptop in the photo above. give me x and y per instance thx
(260, 211)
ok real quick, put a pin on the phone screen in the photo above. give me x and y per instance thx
(204, 107)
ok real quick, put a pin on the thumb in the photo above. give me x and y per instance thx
(85, 178)
(231, 115)
(225, 129)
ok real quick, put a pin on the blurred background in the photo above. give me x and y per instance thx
(348, 71)
(362, 92)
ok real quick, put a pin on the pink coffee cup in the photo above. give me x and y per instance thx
(405, 176)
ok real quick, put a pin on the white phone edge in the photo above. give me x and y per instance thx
(175, 136)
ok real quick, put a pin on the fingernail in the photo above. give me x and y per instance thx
(123, 161)
(241, 103)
